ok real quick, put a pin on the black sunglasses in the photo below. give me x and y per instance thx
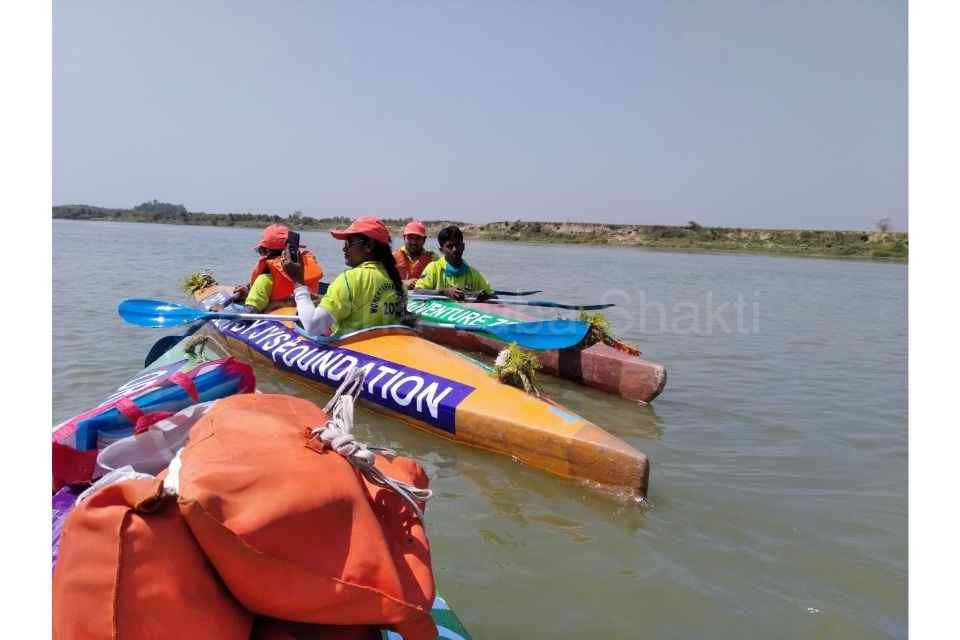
(357, 239)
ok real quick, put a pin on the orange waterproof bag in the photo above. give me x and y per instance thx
(129, 568)
(296, 531)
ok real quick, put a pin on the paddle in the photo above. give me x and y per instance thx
(530, 303)
(166, 343)
(527, 303)
(542, 335)
(516, 293)
(159, 314)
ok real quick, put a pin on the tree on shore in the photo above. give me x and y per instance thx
(161, 208)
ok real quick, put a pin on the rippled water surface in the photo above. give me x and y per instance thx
(779, 448)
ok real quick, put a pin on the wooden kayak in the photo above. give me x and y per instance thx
(602, 366)
(181, 356)
(437, 390)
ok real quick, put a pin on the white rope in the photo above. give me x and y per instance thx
(336, 434)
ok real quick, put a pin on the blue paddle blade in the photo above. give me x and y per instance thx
(544, 335)
(160, 347)
(157, 314)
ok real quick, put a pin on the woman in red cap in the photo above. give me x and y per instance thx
(411, 258)
(370, 293)
(270, 286)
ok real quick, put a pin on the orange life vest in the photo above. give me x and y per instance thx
(412, 269)
(282, 283)
(130, 568)
(294, 530)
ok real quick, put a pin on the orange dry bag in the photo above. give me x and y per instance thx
(129, 568)
(296, 531)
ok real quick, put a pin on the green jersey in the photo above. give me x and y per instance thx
(437, 276)
(362, 297)
(259, 295)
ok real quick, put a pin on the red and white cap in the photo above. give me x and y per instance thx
(368, 226)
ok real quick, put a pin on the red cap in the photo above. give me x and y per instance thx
(365, 226)
(274, 237)
(415, 228)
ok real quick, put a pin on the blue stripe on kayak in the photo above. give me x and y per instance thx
(424, 396)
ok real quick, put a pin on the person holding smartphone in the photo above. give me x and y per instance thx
(270, 286)
(369, 293)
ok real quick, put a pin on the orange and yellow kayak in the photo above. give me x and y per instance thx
(437, 390)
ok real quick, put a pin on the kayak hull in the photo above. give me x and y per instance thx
(599, 366)
(437, 390)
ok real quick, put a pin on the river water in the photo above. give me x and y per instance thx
(778, 499)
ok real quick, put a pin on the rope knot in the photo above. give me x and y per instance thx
(337, 435)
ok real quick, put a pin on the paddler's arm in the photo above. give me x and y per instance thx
(259, 294)
(483, 286)
(315, 319)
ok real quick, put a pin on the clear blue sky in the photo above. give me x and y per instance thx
(733, 113)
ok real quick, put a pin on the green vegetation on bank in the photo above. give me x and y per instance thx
(166, 213)
(821, 243)
(851, 244)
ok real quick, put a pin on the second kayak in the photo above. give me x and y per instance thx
(617, 371)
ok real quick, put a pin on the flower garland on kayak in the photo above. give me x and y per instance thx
(518, 368)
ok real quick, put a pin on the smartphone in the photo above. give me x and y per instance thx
(293, 246)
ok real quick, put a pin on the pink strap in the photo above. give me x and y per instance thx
(149, 418)
(141, 421)
(185, 382)
(248, 383)
(129, 409)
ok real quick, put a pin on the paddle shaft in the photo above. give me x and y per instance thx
(245, 316)
(525, 303)
(515, 293)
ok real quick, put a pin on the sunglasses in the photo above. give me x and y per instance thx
(354, 240)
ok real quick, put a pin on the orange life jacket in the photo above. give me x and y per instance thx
(130, 568)
(413, 269)
(294, 530)
(282, 283)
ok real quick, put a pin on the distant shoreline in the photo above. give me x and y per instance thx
(885, 245)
